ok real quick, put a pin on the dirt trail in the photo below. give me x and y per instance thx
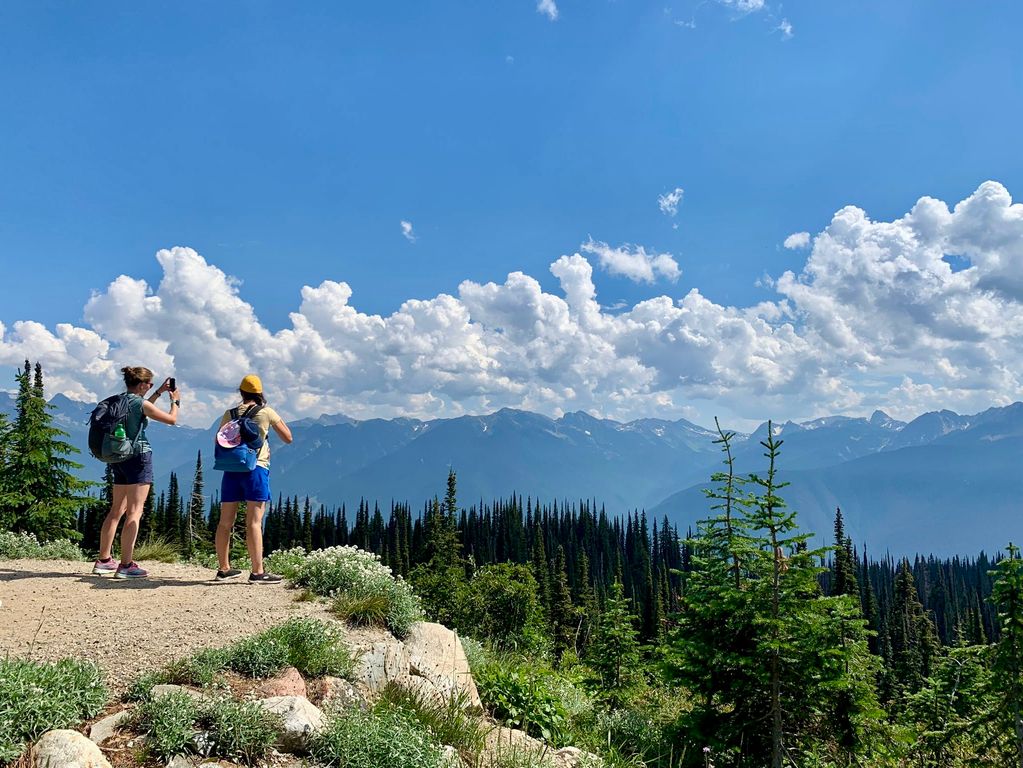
(56, 608)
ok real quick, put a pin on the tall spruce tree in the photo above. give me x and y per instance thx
(775, 667)
(1007, 670)
(563, 614)
(42, 493)
(196, 535)
(614, 649)
(912, 635)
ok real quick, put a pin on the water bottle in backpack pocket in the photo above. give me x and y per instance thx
(108, 440)
(238, 442)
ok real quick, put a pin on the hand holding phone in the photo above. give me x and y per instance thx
(172, 384)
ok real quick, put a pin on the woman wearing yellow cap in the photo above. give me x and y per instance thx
(251, 487)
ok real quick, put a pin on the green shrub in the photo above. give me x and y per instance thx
(448, 722)
(36, 697)
(391, 738)
(523, 697)
(341, 570)
(258, 656)
(157, 549)
(315, 648)
(199, 669)
(19, 546)
(168, 723)
(239, 730)
(499, 603)
(142, 685)
(286, 562)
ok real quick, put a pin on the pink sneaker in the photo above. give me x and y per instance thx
(104, 567)
(131, 571)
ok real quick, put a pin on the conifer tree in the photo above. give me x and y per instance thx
(307, 526)
(541, 572)
(42, 493)
(172, 516)
(912, 635)
(844, 572)
(563, 616)
(1007, 670)
(197, 531)
(614, 648)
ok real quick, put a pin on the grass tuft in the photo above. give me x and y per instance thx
(168, 723)
(392, 738)
(37, 697)
(367, 610)
(158, 549)
(239, 730)
(448, 722)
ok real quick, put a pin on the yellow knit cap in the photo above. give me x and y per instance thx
(251, 384)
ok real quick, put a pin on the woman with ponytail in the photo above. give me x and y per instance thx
(251, 487)
(133, 477)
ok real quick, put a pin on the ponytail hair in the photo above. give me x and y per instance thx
(135, 375)
(252, 397)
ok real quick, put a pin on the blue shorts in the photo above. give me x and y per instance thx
(246, 486)
(138, 470)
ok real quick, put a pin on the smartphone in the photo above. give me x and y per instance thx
(173, 383)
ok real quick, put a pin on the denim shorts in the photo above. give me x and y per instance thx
(246, 486)
(138, 470)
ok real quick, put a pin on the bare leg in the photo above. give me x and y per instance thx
(228, 514)
(254, 533)
(136, 500)
(118, 507)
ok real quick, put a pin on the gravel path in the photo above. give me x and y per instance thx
(56, 608)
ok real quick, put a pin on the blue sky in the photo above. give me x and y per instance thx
(285, 143)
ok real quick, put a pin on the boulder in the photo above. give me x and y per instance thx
(179, 761)
(422, 687)
(379, 664)
(66, 749)
(102, 730)
(435, 653)
(335, 693)
(288, 683)
(300, 720)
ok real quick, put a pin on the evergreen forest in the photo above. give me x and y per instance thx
(737, 643)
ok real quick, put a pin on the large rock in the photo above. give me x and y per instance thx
(102, 730)
(436, 654)
(301, 720)
(508, 740)
(66, 749)
(379, 664)
(288, 683)
(335, 693)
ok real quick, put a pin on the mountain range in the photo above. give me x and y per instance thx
(943, 483)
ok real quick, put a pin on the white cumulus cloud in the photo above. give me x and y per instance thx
(797, 240)
(548, 8)
(785, 27)
(876, 317)
(633, 262)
